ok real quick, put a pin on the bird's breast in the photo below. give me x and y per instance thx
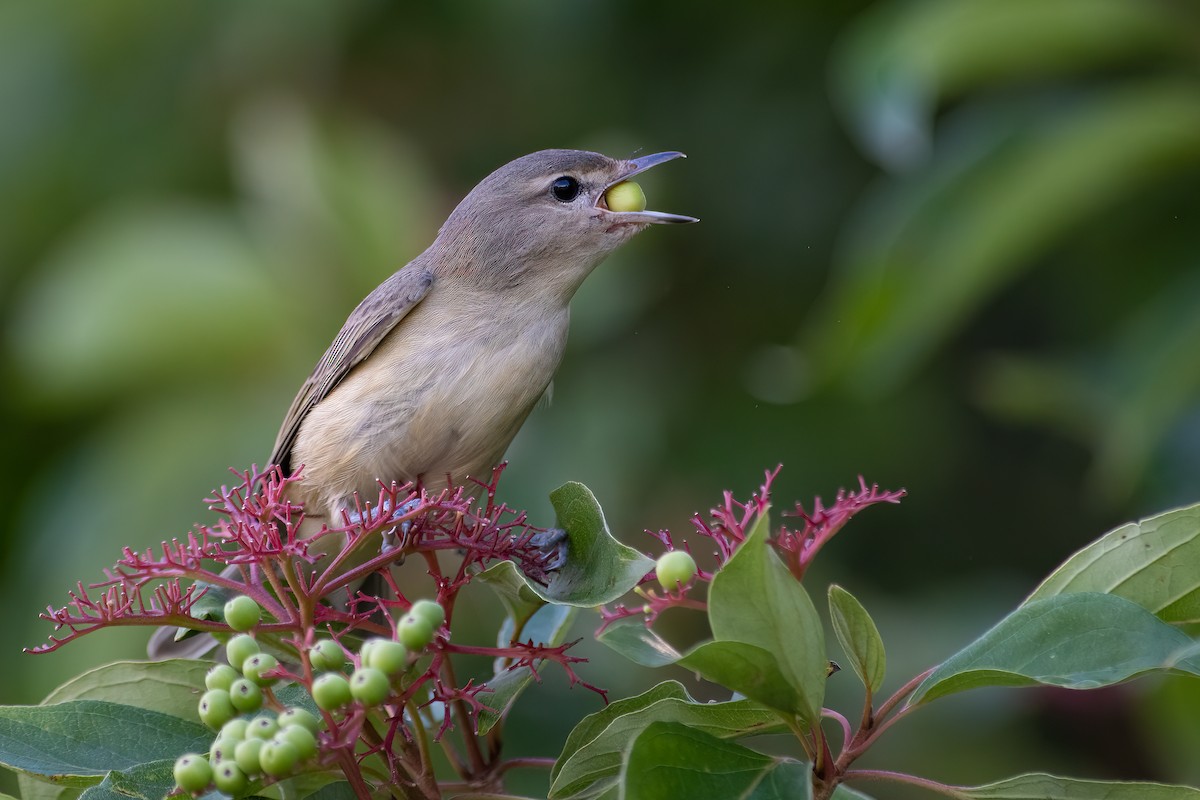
(443, 394)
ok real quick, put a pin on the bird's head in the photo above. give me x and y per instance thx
(544, 221)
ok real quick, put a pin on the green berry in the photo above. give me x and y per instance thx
(192, 772)
(256, 665)
(229, 778)
(327, 655)
(430, 611)
(369, 686)
(221, 750)
(299, 716)
(278, 757)
(220, 677)
(414, 632)
(216, 708)
(263, 727)
(235, 729)
(245, 695)
(246, 756)
(302, 738)
(242, 613)
(675, 568)
(240, 648)
(385, 655)
(331, 691)
(625, 196)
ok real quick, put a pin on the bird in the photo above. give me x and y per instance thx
(435, 371)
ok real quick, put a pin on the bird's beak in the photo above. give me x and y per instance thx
(639, 165)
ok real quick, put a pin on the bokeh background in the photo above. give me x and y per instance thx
(950, 246)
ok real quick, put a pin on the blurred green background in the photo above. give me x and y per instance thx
(951, 246)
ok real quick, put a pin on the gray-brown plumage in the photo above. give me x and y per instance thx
(435, 371)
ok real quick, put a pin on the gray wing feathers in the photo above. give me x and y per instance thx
(368, 324)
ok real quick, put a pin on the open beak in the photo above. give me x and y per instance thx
(634, 167)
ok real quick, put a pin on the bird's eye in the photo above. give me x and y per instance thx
(565, 189)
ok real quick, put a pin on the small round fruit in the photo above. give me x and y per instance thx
(299, 716)
(675, 568)
(220, 677)
(386, 656)
(369, 686)
(192, 772)
(230, 778)
(254, 667)
(242, 613)
(302, 738)
(235, 729)
(245, 695)
(625, 196)
(221, 750)
(327, 655)
(331, 691)
(430, 611)
(263, 727)
(240, 648)
(278, 757)
(216, 708)
(414, 632)
(246, 755)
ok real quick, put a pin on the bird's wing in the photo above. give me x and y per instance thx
(371, 321)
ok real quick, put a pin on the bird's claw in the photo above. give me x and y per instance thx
(390, 539)
(554, 546)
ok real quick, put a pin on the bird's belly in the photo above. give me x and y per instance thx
(426, 410)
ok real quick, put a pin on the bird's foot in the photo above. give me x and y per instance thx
(390, 538)
(554, 545)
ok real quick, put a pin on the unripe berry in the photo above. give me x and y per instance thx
(221, 750)
(331, 691)
(385, 655)
(192, 772)
(246, 755)
(625, 196)
(327, 656)
(229, 778)
(220, 677)
(242, 613)
(245, 695)
(263, 727)
(216, 708)
(430, 611)
(235, 730)
(278, 757)
(254, 667)
(414, 632)
(299, 716)
(675, 568)
(240, 648)
(369, 686)
(300, 737)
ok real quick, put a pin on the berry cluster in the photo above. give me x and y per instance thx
(253, 743)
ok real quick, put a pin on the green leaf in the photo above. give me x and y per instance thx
(1040, 786)
(749, 670)
(858, 636)
(150, 781)
(1079, 641)
(1154, 562)
(639, 644)
(593, 751)
(76, 742)
(599, 569)
(755, 599)
(166, 686)
(668, 761)
(513, 590)
(505, 688)
(844, 792)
